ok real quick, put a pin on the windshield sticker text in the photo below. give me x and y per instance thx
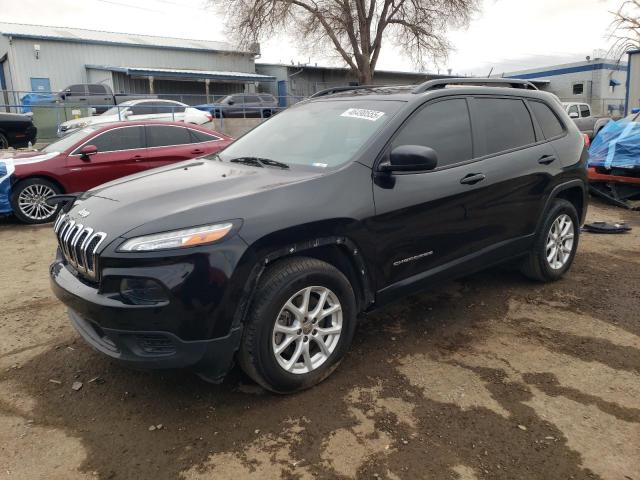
(363, 113)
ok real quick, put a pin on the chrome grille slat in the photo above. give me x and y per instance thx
(79, 244)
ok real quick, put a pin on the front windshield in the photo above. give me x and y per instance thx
(120, 108)
(318, 134)
(68, 141)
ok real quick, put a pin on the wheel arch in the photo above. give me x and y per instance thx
(31, 176)
(575, 192)
(340, 251)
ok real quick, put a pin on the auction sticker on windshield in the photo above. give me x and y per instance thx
(363, 113)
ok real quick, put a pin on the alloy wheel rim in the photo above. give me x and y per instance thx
(307, 330)
(560, 242)
(4, 143)
(32, 202)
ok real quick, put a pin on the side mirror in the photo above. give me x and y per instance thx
(410, 158)
(87, 151)
(574, 115)
(125, 113)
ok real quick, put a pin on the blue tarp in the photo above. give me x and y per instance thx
(6, 169)
(617, 145)
(36, 99)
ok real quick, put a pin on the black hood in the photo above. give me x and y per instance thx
(186, 194)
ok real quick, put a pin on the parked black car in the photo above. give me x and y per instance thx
(243, 105)
(267, 252)
(16, 130)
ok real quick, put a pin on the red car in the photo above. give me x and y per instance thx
(99, 154)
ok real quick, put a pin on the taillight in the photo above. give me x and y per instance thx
(210, 117)
(587, 141)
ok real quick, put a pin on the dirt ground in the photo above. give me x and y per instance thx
(491, 376)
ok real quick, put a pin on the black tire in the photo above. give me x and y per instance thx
(4, 142)
(536, 266)
(279, 283)
(24, 216)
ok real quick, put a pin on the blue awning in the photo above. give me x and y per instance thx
(167, 73)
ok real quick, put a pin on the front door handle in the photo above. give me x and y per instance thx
(137, 158)
(197, 151)
(473, 178)
(547, 159)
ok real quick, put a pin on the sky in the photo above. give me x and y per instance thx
(505, 35)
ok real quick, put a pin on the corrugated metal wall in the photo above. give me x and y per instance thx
(64, 62)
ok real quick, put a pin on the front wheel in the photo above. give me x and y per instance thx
(4, 143)
(28, 200)
(300, 325)
(555, 245)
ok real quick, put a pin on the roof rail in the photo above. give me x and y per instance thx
(443, 82)
(346, 88)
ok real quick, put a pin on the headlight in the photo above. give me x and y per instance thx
(188, 237)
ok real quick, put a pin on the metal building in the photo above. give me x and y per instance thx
(35, 58)
(633, 81)
(299, 81)
(600, 82)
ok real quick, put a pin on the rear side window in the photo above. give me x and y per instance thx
(166, 135)
(128, 138)
(585, 111)
(506, 122)
(444, 126)
(551, 126)
(95, 89)
(197, 136)
(167, 107)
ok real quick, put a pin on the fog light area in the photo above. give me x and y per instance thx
(142, 291)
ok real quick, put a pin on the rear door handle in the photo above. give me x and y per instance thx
(137, 158)
(473, 178)
(547, 159)
(197, 151)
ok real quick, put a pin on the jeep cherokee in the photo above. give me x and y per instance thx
(266, 252)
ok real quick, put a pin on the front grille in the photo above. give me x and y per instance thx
(79, 245)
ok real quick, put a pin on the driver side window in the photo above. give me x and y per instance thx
(125, 138)
(444, 126)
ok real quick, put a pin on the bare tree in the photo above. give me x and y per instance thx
(355, 29)
(625, 28)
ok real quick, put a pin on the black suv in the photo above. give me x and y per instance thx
(267, 252)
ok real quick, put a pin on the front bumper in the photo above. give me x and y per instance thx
(140, 348)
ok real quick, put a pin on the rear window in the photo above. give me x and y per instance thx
(507, 123)
(164, 136)
(585, 111)
(198, 136)
(548, 121)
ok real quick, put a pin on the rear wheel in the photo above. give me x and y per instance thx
(300, 325)
(556, 244)
(28, 200)
(4, 143)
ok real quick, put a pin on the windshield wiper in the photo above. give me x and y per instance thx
(259, 162)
